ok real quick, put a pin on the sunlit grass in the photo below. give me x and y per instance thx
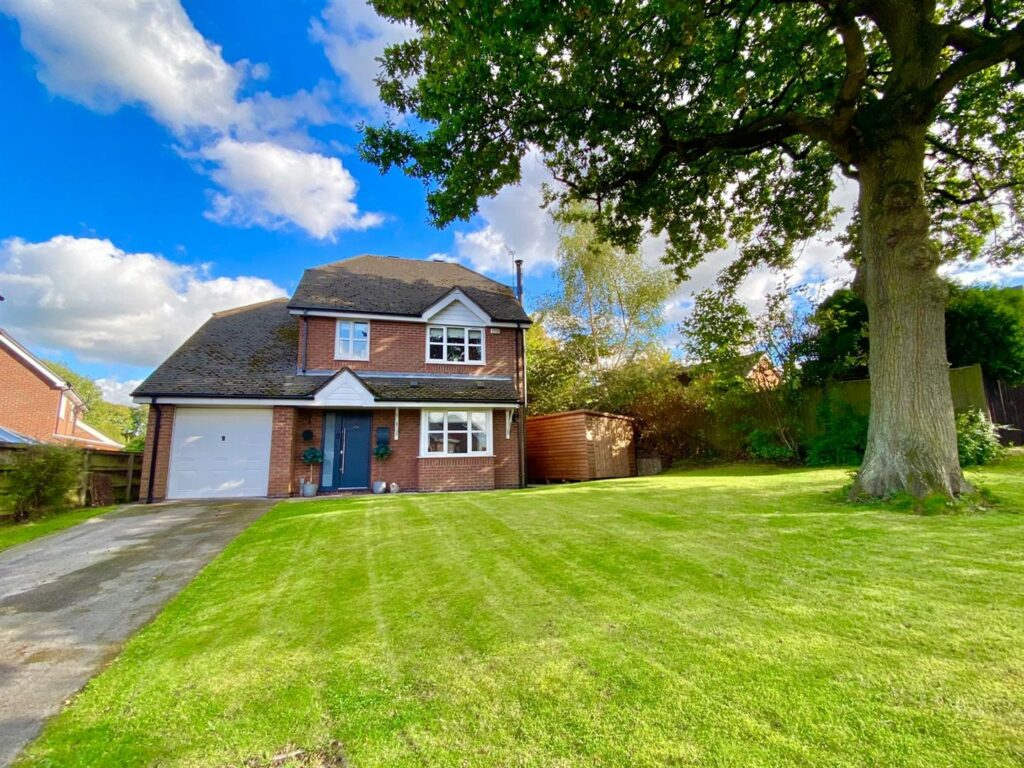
(719, 617)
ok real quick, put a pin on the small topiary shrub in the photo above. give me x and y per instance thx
(977, 439)
(843, 439)
(764, 445)
(41, 478)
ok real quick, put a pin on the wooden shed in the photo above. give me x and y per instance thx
(579, 445)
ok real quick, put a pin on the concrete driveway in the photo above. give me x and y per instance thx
(70, 600)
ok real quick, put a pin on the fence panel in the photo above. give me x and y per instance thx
(123, 467)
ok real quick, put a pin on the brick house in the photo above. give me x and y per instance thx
(426, 358)
(38, 406)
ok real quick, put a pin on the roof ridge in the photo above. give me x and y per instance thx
(244, 307)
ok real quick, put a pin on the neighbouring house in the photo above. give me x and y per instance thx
(422, 358)
(38, 406)
(756, 367)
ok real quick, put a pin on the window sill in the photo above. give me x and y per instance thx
(456, 456)
(456, 362)
(352, 359)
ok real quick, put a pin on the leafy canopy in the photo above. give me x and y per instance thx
(711, 120)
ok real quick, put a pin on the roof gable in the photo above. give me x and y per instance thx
(31, 361)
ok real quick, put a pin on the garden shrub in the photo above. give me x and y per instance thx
(844, 436)
(41, 478)
(977, 439)
(764, 445)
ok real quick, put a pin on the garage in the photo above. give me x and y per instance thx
(220, 452)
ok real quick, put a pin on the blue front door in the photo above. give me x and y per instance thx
(351, 450)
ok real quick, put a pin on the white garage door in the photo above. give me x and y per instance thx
(218, 452)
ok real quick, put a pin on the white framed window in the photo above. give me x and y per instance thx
(456, 433)
(455, 344)
(352, 340)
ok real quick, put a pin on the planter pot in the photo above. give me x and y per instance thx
(379, 486)
(308, 488)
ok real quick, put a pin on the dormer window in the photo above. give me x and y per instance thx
(352, 340)
(455, 344)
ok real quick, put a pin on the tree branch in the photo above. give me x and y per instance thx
(856, 70)
(996, 50)
(979, 197)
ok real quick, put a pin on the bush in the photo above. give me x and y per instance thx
(41, 478)
(843, 439)
(764, 445)
(977, 439)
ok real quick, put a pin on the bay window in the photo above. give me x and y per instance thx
(352, 340)
(456, 433)
(455, 344)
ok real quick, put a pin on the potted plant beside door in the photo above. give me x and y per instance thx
(311, 457)
(381, 453)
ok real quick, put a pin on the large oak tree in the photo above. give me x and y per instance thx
(726, 120)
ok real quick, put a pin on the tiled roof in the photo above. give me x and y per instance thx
(404, 287)
(440, 388)
(246, 352)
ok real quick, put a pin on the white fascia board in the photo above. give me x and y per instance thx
(27, 357)
(250, 402)
(393, 318)
(98, 435)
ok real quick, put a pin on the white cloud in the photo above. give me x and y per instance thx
(354, 37)
(983, 273)
(268, 185)
(106, 305)
(514, 221)
(117, 391)
(107, 53)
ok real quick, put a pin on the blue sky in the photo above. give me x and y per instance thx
(165, 159)
(173, 159)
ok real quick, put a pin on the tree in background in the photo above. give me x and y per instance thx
(984, 325)
(124, 423)
(731, 344)
(610, 302)
(555, 378)
(713, 121)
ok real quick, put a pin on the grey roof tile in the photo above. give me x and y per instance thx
(246, 352)
(393, 286)
(440, 389)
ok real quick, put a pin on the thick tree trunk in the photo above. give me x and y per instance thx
(912, 437)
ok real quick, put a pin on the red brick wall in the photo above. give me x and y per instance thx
(506, 453)
(28, 403)
(313, 420)
(403, 465)
(281, 481)
(474, 473)
(163, 454)
(398, 346)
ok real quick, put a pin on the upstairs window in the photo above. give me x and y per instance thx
(455, 344)
(352, 340)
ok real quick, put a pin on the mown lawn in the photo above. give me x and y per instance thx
(724, 617)
(12, 533)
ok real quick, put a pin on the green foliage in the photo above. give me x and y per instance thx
(382, 452)
(40, 478)
(984, 325)
(843, 437)
(710, 122)
(764, 445)
(557, 382)
(609, 305)
(124, 423)
(977, 439)
(313, 456)
(836, 347)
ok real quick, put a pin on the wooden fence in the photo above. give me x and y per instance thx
(122, 467)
